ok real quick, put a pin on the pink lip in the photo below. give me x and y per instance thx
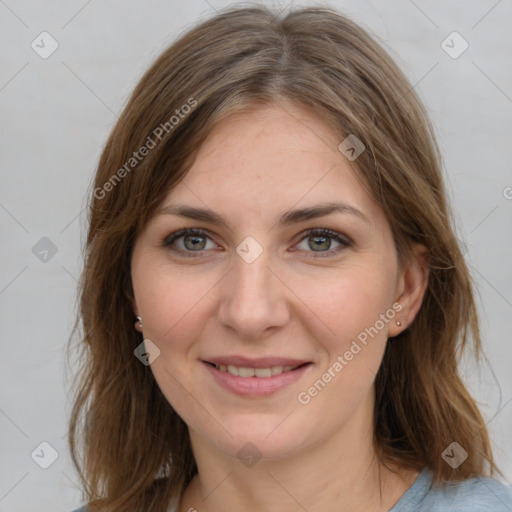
(247, 362)
(256, 386)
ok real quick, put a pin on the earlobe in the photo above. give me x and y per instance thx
(138, 319)
(412, 286)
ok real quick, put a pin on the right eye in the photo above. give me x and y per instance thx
(187, 241)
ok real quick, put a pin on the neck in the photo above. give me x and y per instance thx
(343, 473)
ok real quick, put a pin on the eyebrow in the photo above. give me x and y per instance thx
(287, 218)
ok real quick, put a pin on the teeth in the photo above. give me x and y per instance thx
(263, 372)
(254, 372)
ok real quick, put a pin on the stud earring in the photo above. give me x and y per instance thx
(139, 322)
(398, 323)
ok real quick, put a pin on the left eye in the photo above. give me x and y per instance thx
(318, 240)
(193, 240)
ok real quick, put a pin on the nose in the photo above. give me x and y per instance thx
(254, 300)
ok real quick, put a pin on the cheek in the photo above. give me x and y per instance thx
(353, 337)
(346, 302)
(352, 308)
(174, 306)
(171, 302)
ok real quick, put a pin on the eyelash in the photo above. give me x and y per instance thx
(344, 241)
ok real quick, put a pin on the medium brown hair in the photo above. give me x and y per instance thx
(131, 449)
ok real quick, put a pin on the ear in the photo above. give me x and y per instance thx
(130, 296)
(137, 325)
(411, 285)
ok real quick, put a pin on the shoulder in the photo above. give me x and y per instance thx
(479, 494)
(474, 495)
(85, 508)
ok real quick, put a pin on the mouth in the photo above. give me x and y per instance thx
(265, 372)
(259, 378)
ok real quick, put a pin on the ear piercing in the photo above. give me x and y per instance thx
(139, 322)
(400, 323)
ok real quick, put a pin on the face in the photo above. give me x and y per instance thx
(269, 287)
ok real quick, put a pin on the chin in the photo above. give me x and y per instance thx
(270, 440)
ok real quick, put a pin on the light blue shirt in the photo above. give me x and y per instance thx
(474, 495)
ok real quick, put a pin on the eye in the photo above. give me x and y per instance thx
(189, 241)
(320, 239)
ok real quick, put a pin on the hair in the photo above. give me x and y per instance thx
(131, 449)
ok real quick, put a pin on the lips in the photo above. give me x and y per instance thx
(250, 385)
(261, 362)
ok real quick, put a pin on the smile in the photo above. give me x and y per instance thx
(250, 382)
(255, 372)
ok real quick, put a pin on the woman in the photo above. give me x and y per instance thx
(273, 297)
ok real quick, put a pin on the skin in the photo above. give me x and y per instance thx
(287, 303)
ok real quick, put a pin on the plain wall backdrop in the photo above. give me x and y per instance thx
(57, 110)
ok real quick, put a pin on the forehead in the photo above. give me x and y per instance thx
(275, 135)
(271, 158)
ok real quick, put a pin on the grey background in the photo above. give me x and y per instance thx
(57, 113)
